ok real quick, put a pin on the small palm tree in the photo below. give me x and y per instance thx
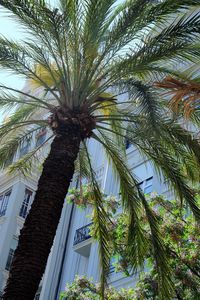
(76, 53)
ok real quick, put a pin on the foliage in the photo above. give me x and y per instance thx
(84, 289)
(180, 237)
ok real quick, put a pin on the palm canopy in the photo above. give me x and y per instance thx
(79, 58)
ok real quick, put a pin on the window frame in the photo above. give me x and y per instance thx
(24, 148)
(40, 137)
(143, 184)
(9, 259)
(26, 203)
(4, 199)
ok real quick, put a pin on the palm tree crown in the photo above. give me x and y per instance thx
(79, 58)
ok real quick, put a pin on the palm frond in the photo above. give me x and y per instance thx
(13, 141)
(108, 111)
(173, 151)
(36, 16)
(97, 12)
(164, 159)
(137, 241)
(23, 116)
(14, 57)
(130, 14)
(159, 252)
(28, 12)
(183, 95)
(179, 137)
(135, 16)
(100, 221)
(29, 162)
(50, 78)
(153, 50)
(144, 100)
(9, 92)
(82, 167)
(10, 101)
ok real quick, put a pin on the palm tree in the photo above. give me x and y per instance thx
(74, 54)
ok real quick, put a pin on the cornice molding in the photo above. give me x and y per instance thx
(7, 180)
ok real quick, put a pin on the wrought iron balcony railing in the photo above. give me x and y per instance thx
(82, 234)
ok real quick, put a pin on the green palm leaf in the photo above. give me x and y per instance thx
(100, 229)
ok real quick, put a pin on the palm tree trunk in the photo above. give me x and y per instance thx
(37, 235)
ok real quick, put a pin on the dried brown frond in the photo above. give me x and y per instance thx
(184, 95)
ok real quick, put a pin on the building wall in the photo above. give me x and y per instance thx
(11, 223)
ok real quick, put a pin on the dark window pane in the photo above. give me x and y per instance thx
(128, 144)
(148, 189)
(24, 149)
(9, 161)
(10, 258)
(25, 204)
(4, 203)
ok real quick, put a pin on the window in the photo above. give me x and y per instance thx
(99, 176)
(41, 136)
(4, 198)
(9, 161)
(24, 148)
(187, 210)
(10, 259)
(26, 203)
(127, 143)
(118, 264)
(13, 246)
(146, 185)
(112, 265)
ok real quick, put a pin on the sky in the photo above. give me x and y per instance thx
(10, 29)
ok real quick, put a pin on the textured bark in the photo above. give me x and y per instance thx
(37, 235)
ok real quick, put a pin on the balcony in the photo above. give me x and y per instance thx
(82, 240)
